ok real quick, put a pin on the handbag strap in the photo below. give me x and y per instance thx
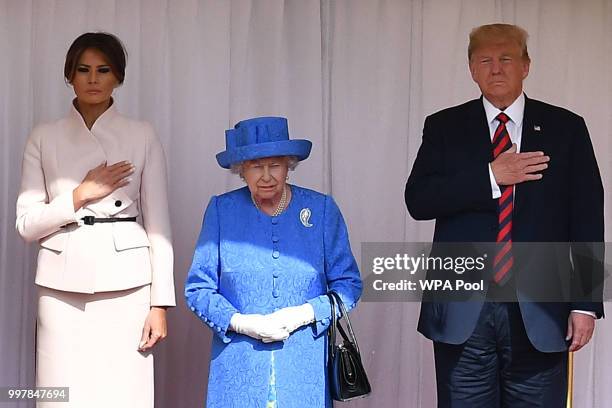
(336, 300)
(331, 333)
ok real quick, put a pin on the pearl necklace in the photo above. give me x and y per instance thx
(281, 204)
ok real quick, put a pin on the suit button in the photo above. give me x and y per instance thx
(118, 203)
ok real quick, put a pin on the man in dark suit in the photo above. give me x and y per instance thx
(508, 169)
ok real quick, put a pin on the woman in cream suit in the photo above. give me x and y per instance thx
(94, 194)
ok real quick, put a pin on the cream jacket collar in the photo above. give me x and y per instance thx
(106, 117)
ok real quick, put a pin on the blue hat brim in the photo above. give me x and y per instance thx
(296, 147)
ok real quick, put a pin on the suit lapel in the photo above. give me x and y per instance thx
(478, 136)
(478, 131)
(531, 141)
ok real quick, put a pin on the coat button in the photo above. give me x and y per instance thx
(274, 220)
(118, 203)
(274, 238)
(275, 254)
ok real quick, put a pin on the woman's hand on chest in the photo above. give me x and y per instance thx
(102, 181)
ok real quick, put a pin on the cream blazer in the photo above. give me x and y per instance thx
(99, 257)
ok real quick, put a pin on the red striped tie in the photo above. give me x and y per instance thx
(502, 264)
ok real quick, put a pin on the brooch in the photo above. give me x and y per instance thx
(305, 217)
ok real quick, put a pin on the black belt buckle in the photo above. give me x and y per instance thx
(89, 220)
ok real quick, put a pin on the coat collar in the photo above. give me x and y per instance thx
(106, 117)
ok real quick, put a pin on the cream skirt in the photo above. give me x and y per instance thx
(89, 342)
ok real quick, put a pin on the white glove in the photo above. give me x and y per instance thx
(258, 327)
(293, 317)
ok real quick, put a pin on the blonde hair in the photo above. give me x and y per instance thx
(491, 33)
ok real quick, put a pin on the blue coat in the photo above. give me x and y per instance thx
(248, 262)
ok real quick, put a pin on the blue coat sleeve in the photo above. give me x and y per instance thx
(202, 284)
(341, 270)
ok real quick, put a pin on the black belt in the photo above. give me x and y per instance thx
(91, 220)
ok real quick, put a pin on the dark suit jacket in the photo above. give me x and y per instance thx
(450, 183)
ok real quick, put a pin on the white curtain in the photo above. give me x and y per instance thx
(357, 77)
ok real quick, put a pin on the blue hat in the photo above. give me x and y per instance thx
(258, 138)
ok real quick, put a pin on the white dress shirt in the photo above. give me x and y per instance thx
(514, 127)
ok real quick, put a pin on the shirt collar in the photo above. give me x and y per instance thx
(515, 111)
(105, 117)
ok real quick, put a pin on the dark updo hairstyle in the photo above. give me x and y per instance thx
(107, 44)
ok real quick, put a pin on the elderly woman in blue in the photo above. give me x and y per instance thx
(266, 257)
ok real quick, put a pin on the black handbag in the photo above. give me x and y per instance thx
(347, 377)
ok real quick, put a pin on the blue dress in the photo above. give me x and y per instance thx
(248, 262)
